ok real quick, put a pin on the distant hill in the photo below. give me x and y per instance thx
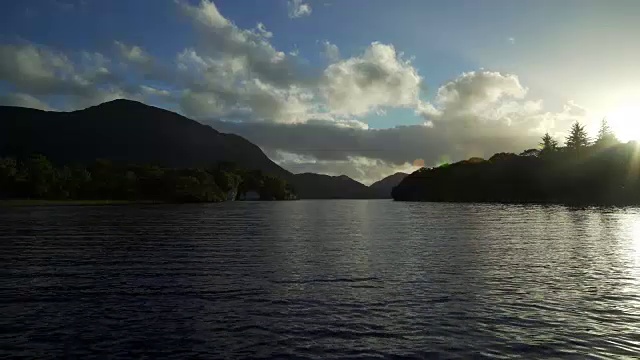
(588, 175)
(382, 188)
(317, 186)
(131, 132)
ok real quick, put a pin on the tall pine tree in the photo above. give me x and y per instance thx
(606, 137)
(548, 143)
(577, 138)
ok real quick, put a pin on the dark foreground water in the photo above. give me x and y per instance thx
(319, 279)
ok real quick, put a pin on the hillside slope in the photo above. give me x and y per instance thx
(131, 132)
(382, 188)
(318, 186)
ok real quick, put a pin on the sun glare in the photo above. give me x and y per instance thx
(625, 122)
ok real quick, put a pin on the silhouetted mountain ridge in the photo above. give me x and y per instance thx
(319, 186)
(382, 188)
(128, 131)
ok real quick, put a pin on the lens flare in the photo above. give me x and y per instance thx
(625, 122)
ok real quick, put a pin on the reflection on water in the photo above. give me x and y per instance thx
(320, 279)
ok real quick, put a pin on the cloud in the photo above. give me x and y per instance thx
(298, 9)
(237, 71)
(379, 77)
(250, 49)
(399, 145)
(239, 68)
(24, 100)
(322, 147)
(200, 105)
(574, 109)
(306, 119)
(101, 95)
(477, 114)
(82, 78)
(152, 91)
(362, 169)
(330, 51)
(38, 70)
(476, 90)
(263, 31)
(133, 54)
(220, 88)
(143, 65)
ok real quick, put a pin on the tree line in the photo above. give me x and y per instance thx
(577, 140)
(584, 171)
(35, 177)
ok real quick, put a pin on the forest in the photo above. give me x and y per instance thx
(35, 177)
(602, 171)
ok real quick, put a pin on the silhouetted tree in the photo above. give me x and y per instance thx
(606, 137)
(548, 144)
(502, 157)
(8, 172)
(251, 181)
(37, 177)
(60, 188)
(227, 166)
(273, 188)
(151, 182)
(77, 182)
(475, 160)
(227, 180)
(607, 176)
(102, 184)
(577, 138)
(530, 152)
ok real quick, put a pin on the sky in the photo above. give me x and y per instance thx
(357, 87)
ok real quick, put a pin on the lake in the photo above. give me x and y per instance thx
(319, 280)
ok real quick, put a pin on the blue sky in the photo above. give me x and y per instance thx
(531, 66)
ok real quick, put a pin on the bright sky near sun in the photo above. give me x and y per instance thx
(358, 87)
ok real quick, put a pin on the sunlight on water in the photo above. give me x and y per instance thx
(633, 231)
(321, 279)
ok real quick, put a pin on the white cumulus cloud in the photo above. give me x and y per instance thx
(379, 77)
(477, 89)
(133, 54)
(330, 51)
(24, 100)
(297, 9)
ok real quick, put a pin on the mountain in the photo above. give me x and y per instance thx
(131, 132)
(124, 131)
(318, 186)
(382, 188)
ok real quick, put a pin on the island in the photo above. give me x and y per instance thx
(584, 172)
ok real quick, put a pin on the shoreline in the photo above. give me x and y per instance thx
(41, 202)
(572, 204)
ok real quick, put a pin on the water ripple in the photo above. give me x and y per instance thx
(320, 280)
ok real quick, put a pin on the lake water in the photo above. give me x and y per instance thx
(320, 279)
